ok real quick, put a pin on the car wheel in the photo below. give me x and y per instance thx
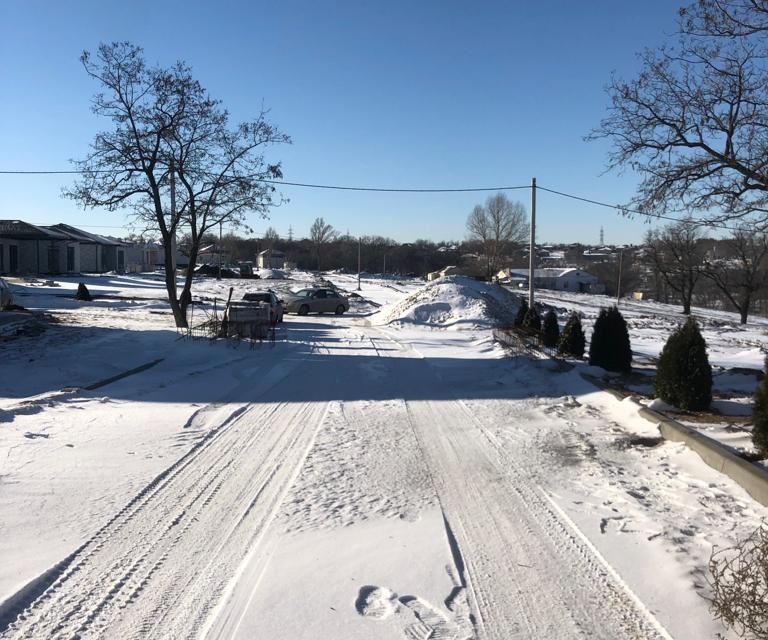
(339, 309)
(303, 310)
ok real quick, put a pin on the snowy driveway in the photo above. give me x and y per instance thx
(361, 481)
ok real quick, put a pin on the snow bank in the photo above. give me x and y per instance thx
(454, 302)
(272, 274)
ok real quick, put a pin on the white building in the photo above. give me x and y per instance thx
(570, 279)
(270, 259)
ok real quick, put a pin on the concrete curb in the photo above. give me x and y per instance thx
(120, 376)
(752, 478)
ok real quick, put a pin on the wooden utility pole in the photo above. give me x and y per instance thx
(359, 245)
(532, 256)
(618, 285)
(219, 276)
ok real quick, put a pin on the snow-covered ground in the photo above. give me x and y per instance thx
(389, 473)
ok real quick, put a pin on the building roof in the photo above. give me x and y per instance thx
(73, 233)
(20, 230)
(548, 272)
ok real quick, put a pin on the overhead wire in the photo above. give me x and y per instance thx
(616, 207)
(627, 210)
(306, 185)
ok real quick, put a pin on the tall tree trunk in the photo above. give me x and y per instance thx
(186, 293)
(746, 300)
(170, 284)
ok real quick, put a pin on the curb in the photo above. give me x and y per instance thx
(120, 376)
(753, 479)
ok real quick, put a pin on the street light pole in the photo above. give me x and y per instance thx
(359, 246)
(219, 276)
(532, 255)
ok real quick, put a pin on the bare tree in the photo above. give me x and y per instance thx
(677, 254)
(725, 18)
(270, 238)
(694, 122)
(168, 130)
(743, 271)
(498, 226)
(320, 233)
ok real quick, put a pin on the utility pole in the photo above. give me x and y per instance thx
(385, 262)
(359, 246)
(219, 276)
(618, 286)
(532, 256)
(173, 219)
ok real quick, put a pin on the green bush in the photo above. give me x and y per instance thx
(609, 347)
(551, 334)
(683, 375)
(521, 311)
(532, 320)
(760, 416)
(572, 339)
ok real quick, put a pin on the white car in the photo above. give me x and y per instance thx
(6, 297)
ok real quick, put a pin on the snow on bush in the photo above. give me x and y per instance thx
(572, 339)
(532, 320)
(609, 347)
(454, 301)
(683, 374)
(551, 331)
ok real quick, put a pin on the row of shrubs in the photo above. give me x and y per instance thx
(683, 373)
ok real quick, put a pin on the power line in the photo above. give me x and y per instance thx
(623, 209)
(305, 184)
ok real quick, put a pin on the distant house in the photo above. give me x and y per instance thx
(270, 259)
(469, 270)
(98, 254)
(26, 249)
(570, 279)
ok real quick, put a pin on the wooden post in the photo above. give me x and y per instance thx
(219, 276)
(532, 256)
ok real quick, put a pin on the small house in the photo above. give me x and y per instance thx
(270, 259)
(26, 248)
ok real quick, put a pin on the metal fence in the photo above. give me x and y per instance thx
(235, 322)
(523, 341)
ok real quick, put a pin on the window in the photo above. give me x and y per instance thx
(320, 294)
(2, 257)
(13, 258)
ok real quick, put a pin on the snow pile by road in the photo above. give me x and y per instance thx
(454, 302)
(273, 274)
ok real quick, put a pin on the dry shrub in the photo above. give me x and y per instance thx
(739, 582)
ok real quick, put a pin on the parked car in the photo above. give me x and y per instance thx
(275, 304)
(316, 300)
(6, 297)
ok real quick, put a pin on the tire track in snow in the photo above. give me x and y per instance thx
(529, 575)
(159, 566)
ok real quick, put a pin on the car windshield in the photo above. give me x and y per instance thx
(303, 293)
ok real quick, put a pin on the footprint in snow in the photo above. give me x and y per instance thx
(420, 620)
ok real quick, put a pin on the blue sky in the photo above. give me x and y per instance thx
(397, 93)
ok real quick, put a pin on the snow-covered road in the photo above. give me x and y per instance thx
(360, 478)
